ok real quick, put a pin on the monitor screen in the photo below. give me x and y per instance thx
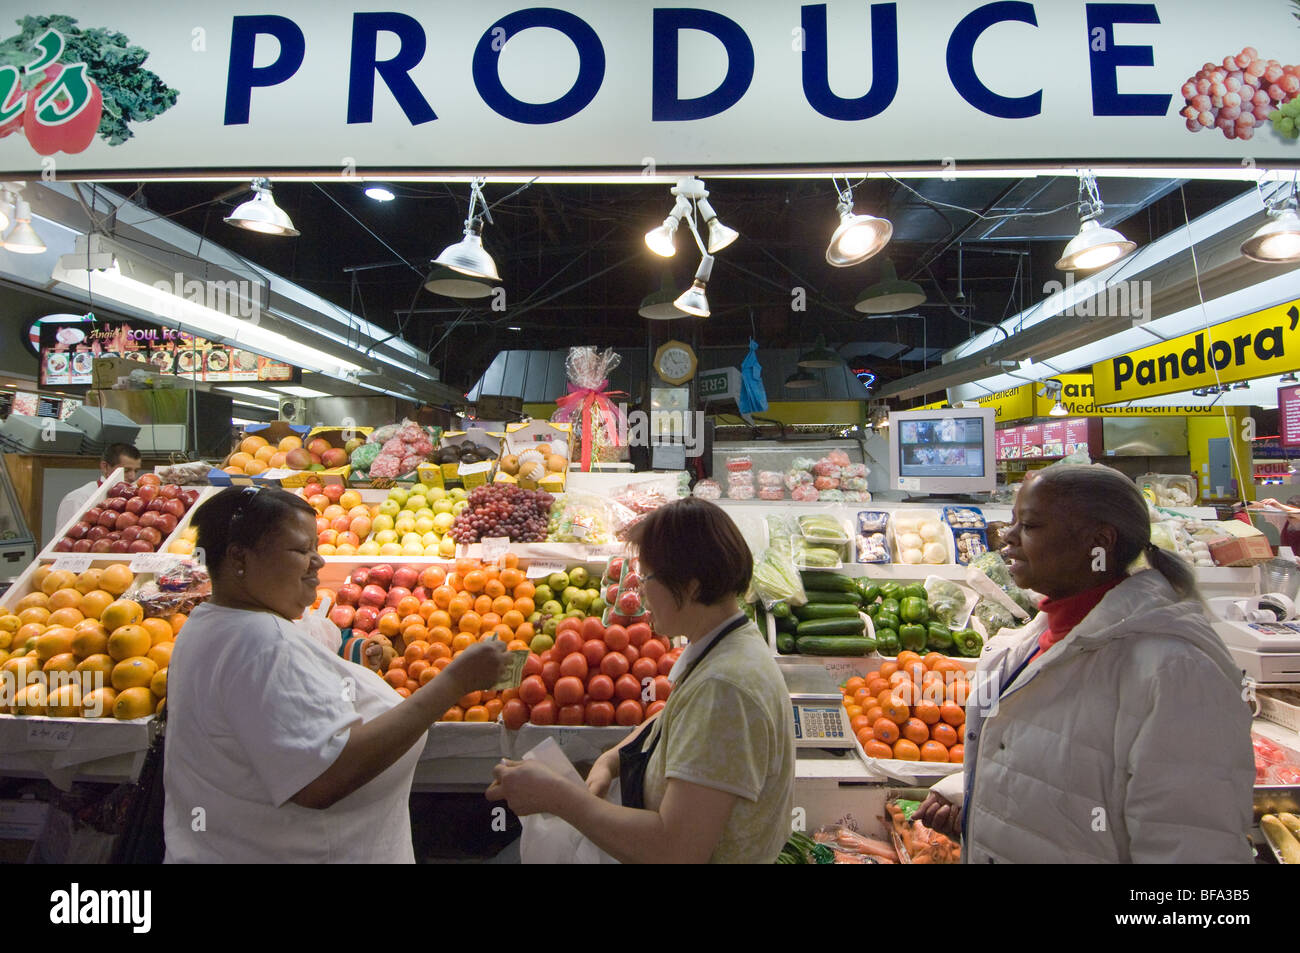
(942, 447)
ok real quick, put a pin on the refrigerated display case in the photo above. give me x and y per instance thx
(829, 470)
(17, 545)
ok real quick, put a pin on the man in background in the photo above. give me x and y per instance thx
(116, 455)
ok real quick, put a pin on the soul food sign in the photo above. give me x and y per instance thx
(1257, 345)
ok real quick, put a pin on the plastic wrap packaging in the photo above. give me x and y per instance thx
(993, 617)
(707, 490)
(826, 483)
(853, 483)
(971, 544)
(771, 493)
(740, 491)
(951, 602)
(855, 470)
(631, 503)
(995, 568)
(588, 405)
(580, 518)
(830, 496)
(739, 463)
(365, 455)
(856, 496)
(771, 478)
(873, 544)
(741, 478)
(775, 578)
(804, 493)
(795, 477)
(824, 468)
(803, 463)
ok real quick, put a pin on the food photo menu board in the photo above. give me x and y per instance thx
(68, 352)
(1056, 438)
(1288, 416)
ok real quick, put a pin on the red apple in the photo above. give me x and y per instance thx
(406, 577)
(156, 504)
(169, 491)
(92, 515)
(126, 519)
(151, 535)
(148, 518)
(360, 577)
(131, 534)
(116, 504)
(334, 457)
(97, 532)
(77, 531)
(122, 546)
(139, 546)
(114, 534)
(136, 505)
(147, 492)
(334, 491)
(189, 497)
(318, 446)
(64, 545)
(381, 575)
(372, 596)
(420, 593)
(341, 524)
(342, 616)
(349, 594)
(82, 546)
(365, 618)
(175, 507)
(396, 595)
(101, 546)
(329, 537)
(349, 538)
(108, 518)
(167, 524)
(121, 490)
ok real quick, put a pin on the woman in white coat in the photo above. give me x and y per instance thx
(1114, 728)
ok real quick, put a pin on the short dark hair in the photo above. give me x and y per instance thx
(241, 516)
(694, 540)
(114, 453)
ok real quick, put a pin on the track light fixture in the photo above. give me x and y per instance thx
(693, 300)
(261, 214)
(690, 197)
(1278, 240)
(1094, 247)
(468, 256)
(857, 237)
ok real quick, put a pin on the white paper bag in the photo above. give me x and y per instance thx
(548, 839)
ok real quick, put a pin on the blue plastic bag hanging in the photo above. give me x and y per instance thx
(753, 397)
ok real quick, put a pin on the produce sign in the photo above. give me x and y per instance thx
(911, 709)
(133, 518)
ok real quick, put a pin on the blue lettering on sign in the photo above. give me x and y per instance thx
(884, 64)
(1107, 100)
(242, 76)
(395, 72)
(961, 60)
(666, 106)
(591, 66)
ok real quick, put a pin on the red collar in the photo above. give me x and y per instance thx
(1064, 614)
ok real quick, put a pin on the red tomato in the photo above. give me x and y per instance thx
(592, 628)
(567, 623)
(632, 652)
(566, 643)
(638, 633)
(532, 690)
(569, 691)
(600, 713)
(644, 668)
(666, 664)
(514, 713)
(653, 649)
(654, 709)
(614, 664)
(575, 665)
(544, 712)
(629, 713)
(547, 656)
(593, 650)
(572, 714)
(627, 687)
(533, 666)
(601, 687)
(662, 688)
(616, 638)
(550, 674)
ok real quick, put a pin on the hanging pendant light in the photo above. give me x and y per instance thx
(261, 214)
(890, 295)
(454, 284)
(801, 380)
(659, 305)
(467, 256)
(1278, 240)
(820, 355)
(693, 300)
(1095, 246)
(23, 240)
(857, 237)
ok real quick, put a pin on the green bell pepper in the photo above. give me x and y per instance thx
(890, 590)
(912, 609)
(912, 636)
(887, 642)
(915, 590)
(887, 620)
(870, 591)
(968, 642)
(781, 610)
(938, 637)
(890, 605)
(873, 609)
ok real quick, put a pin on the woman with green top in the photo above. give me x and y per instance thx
(711, 777)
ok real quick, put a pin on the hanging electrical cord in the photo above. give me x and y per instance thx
(980, 215)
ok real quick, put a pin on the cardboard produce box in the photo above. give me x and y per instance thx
(1241, 550)
(470, 475)
(539, 434)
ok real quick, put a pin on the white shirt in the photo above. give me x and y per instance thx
(74, 503)
(256, 710)
(696, 647)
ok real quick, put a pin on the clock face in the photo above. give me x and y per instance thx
(675, 362)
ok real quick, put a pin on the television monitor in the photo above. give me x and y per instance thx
(942, 452)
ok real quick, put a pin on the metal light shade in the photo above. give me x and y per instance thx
(660, 240)
(658, 305)
(857, 238)
(1058, 410)
(453, 284)
(1094, 247)
(693, 300)
(261, 214)
(23, 240)
(1277, 240)
(890, 294)
(720, 236)
(801, 380)
(820, 355)
(468, 257)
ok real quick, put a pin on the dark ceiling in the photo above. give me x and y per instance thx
(575, 267)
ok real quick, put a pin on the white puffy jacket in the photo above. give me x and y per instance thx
(1127, 741)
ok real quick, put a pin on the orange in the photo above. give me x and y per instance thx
(65, 701)
(887, 669)
(99, 664)
(88, 581)
(512, 619)
(251, 445)
(927, 712)
(957, 754)
(27, 631)
(415, 633)
(158, 630)
(408, 605)
(38, 577)
(516, 645)
(878, 749)
(134, 673)
(161, 655)
(441, 634)
(931, 660)
(158, 684)
(389, 624)
(438, 650)
(65, 599)
(454, 713)
(265, 454)
(483, 605)
(87, 642)
(177, 622)
(33, 600)
(432, 577)
(915, 670)
(463, 640)
(479, 713)
(853, 684)
(511, 578)
(491, 620)
(464, 564)
(952, 713)
(895, 710)
(289, 443)
(441, 663)
(31, 700)
(239, 460)
(427, 609)
(116, 579)
(865, 735)
(905, 750)
(136, 702)
(858, 722)
(948, 665)
(442, 596)
(470, 700)
(525, 631)
(396, 677)
(503, 604)
(899, 678)
(35, 614)
(459, 606)
(415, 650)
(502, 632)
(416, 668)
(129, 641)
(454, 582)
(957, 692)
(916, 731)
(885, 730)
(470, 622)
(525, 606)
(906, 656)
(874, 712)
(510, 560)
(474, 581)
(495, 588)
(439, 617)
(54, 641)
(493, 706)
(65, 617)
(944, 733)
(525, 590)
(398, 663)
(98, 703)
(853, 712)
(63, 662)
(120, 613)
(429, 674)
(56, 580)
(95, 602)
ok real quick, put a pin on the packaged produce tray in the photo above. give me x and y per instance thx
(872, 543)
(901, 525)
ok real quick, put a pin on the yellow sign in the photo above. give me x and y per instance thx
(937, 405)
(1014, 404)
(1079, 399)
(1257, 345)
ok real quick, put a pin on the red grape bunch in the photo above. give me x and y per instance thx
(502, 509)
(1238, 94)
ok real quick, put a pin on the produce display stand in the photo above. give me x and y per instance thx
(68, 750)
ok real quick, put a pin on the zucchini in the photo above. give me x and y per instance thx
(828, 581)
(785, 644)
(831, 627)
(851, 645)
(819, 610)
(823, 597)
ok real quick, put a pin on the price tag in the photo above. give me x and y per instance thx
(543, 567)
(469, 469)
(154, 562)
(78, 563)
(494, 547)
(48, 735)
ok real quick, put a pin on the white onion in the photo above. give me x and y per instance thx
(935, 553)
(931, 531)
(910, 541)
(912, 556)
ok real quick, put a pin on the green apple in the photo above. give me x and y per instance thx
(582, 599)
(459, 493)
(575, 614)
(598, 605)
(405, 524)
(425, 524)
(381, 522)
(551, 607)
(543, 595)
(541, 643)
(459, 507)
(443, 521)
(578, 576)
(369, 548)
(385, 536)
(424, 511)
(390, 507)
(431, 541)
(535, 618)
(447, 547)
(442, 506)
(435, 493)
(558, 581)
(398, 495)
(413, 539)
(550, 625)
(569, 592)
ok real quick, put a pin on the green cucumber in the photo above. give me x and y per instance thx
(818, 610)
(785, 643)
(828, 581)
(787, 624)
(823, 597)
(831, 627)
(850, 645)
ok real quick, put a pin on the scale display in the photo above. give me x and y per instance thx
(821, 724)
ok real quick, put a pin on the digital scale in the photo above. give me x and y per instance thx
(820, 720)
(1268, 652)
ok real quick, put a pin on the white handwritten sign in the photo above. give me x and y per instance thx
(154, 562)
(543, 567)
(48, 735)
(78, 563)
